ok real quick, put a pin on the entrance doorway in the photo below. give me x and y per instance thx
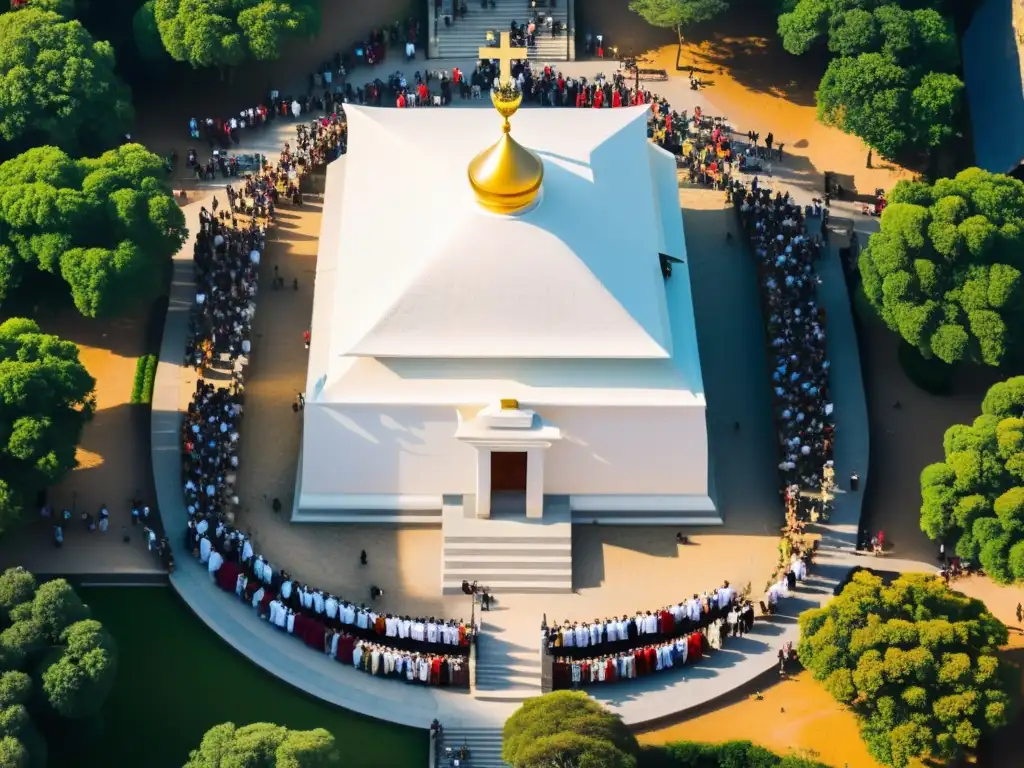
(508, 471)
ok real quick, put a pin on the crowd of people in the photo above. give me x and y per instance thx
(796, 326)
(227, 255)
(416, 650)
(616, 649)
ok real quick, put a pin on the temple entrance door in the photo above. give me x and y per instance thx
(508, 471)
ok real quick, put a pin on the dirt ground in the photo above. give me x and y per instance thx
(798, 714)
(113, 456)
(795, 715)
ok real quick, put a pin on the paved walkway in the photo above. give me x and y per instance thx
(640, 702)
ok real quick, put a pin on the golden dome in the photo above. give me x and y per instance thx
(506, 176)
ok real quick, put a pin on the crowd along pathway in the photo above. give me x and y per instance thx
(642, 701)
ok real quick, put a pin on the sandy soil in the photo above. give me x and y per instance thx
(797, 714)
(113, 455)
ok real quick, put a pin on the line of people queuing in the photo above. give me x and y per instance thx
(226, 269)
(786, 253)
(652, 641)
(418, 650)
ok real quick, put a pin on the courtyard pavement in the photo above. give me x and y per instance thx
(733, 356)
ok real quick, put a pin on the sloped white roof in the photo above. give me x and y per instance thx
(424, 272)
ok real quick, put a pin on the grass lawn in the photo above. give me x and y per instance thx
(176, 679)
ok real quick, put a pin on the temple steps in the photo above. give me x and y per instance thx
(368, 516)
(653, 517)
(508, 552)
(484, 745)
(508, 665)
(463, 39)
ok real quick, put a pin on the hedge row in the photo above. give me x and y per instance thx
(730, 754)
(145, 376)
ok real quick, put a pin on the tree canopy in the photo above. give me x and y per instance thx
(875, 99)
(107, 226)
(944, 271)
(892, 82)
(914, 660)
(58, 86)
(46, 633)
(677, 14)
(976, 496)
(45, 399)
(567, 728)
(729, 754)
(223, 33)
(265, 745)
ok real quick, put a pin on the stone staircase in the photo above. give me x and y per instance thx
(507, 552)
(508, 667)
(463, 39)
(484, 746)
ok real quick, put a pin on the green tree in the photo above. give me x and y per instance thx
(567, 728)
(147, 34)
(872, 97)
(223, 33)
(976, 496)
(78, 678)
(108, 226)
(944, 271)
(677, 14)
(45, 399)
(914, 660)
(45, 631)
(729, 754)
(892, 83)
(57, 85)
(265, 745)
(920, 37)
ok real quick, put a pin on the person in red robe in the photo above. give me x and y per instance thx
(423, 93)
(401, 101)
(598, 98)
(639, 662)
(616, 99)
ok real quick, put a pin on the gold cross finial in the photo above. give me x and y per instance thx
(505, 54)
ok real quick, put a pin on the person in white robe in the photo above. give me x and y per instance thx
(205, 547)
(215, 562)
(247, 551)
(257, 597)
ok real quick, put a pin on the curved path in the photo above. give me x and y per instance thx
(644, 701)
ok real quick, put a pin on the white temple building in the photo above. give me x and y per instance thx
(539, 359)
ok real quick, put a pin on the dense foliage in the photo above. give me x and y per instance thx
(945, 270)
(265, 745)
(57, 86)
(567, 728)
(976, 496)
(107, 226)
(45, 399)
(914, 660)
(52, 656)
(223, 33)
(893, 81)
(677, 14)
(729, 754)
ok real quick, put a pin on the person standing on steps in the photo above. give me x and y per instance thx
(362, 557)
